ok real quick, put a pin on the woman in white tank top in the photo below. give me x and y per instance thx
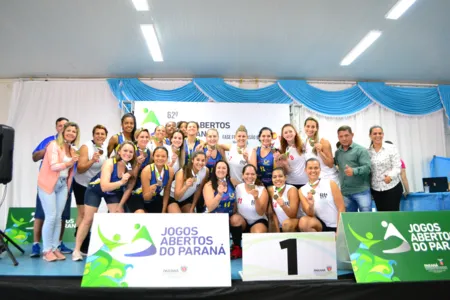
(285, 211)
(176, 151)
(187, 187)
(321, 200)
(252, 199)
(293, 158)
(320, 149)
(93, 154)
(238, 155)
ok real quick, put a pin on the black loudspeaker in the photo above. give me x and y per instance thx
(6, 153)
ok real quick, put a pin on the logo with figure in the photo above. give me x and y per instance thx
(109, 265)
(369, 265)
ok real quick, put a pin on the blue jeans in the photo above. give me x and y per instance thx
(53, 205)
(362, 200)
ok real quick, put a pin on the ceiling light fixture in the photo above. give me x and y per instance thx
(148, 30)
(399, 9)
(141, 5)
(365, 43)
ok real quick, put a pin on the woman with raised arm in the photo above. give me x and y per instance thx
(54, 181)
(176, 151)
(156, 180)
(128, 122)
(213, 151)
(321, 200)
(263, 157)
(192, 143)
(92, 156)
(252, 201)
(108, 184)
(188, 185)
(320, 148)
(293, 157)
(285, 203)
(220, 197)
(238, 154)
(158, 139)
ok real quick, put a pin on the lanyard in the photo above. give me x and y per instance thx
(186, 147)
(159, 177)
(313, 191)
(276, 193)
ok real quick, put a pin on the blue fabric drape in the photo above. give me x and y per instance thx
(444, 93)
(136, 90)
(219, 91)
(405, 100)
(336, 103)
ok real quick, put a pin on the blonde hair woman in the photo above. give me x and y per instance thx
(54, 181)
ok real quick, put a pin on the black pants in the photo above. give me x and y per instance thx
(388, 200)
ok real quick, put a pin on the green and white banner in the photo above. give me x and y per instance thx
(225, 117)
(158, 250)
(19, 226)
(396, 246)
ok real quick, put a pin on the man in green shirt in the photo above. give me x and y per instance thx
(354, 163)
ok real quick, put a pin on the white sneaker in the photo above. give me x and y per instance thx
(76, 256)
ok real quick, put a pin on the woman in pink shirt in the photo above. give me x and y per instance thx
(54, 180)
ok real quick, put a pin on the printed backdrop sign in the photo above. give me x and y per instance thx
(397, 246)
(19, 226)
(225, 117)
(158, 250)
(289, 256)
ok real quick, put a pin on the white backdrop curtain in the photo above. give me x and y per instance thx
(417, 138)
(34, 108)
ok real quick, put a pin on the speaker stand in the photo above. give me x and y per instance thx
(4, 240)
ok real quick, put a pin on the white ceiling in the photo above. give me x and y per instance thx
(288, 39)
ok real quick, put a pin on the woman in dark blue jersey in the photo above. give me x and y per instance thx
(152, 196)
(219, 194)
(109, 184)
(128, 122)
(265, 156)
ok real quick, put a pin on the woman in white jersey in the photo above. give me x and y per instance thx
(319, 148)
(321, 200)
(285, 210)
(293, 157)
(176, 151)
(238, 155)
(252, 199)
(158, 139)
(93, 154)
(188, 185)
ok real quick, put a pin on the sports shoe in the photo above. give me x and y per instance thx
(49, 256)
(76, 256)
(64, 249)
(236, 252)
(59, 255)
(35, 250)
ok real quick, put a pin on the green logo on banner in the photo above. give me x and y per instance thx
(400, 246)
(106, 267)
(150, 120)
(20, 223)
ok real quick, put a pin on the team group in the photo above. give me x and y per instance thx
(288, 184)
